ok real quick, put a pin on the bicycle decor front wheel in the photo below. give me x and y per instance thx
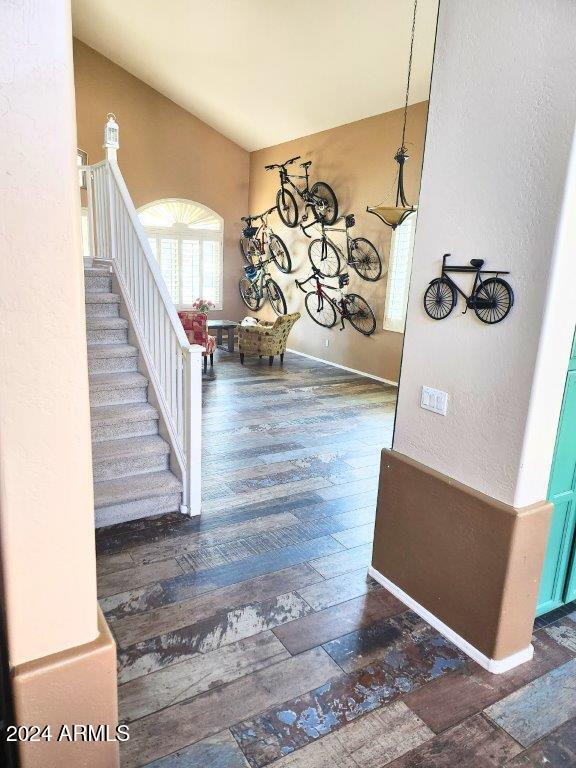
(280, 254)
(360, 314)
(493, 299)
(276, 297)
(365, 259)
(439, 299)
(325, 257)
(249, 294)
(320, 309)
(287, 207)
(324, 202)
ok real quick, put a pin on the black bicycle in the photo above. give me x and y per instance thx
(320, 197)
(327, 257)
(256, 286)
(491, 299)
(323, 309)
(256, 240)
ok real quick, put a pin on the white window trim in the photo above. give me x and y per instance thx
(182, 231)
(398, 324)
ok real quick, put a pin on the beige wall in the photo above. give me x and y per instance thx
(357, 161)
(164, 152)
(46, 505)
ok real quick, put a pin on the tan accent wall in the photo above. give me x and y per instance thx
(357, 161)
(77, 686)
(470, 560)
(164, 152)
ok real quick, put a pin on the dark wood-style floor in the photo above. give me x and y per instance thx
(253, 635)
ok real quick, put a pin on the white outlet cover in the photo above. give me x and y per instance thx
(434, 400)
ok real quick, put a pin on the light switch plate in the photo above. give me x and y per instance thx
(434, 400)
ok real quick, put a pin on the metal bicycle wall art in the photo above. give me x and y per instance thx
(491, 298)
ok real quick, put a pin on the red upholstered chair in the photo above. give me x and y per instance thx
(195, 325)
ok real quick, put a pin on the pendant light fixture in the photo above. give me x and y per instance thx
(394, 215)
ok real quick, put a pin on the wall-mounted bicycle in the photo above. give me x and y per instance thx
(327, 257)
(324, 309)
(256, 240)
(256, 286)
(491, 299)
(320, 197)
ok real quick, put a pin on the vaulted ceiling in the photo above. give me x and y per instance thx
(265, 71)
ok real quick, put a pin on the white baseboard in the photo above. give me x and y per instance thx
(496, 666)
(343, 367)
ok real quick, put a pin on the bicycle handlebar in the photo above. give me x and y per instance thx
(281, 165)
(258, 216)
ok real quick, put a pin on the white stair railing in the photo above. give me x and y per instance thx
(174, 365)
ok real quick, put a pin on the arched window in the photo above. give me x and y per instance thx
(186, 239)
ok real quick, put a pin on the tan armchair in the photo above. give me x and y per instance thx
(266, 338)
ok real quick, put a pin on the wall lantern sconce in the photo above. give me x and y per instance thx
(394, 215)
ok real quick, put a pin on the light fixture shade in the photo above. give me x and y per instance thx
(392, 215)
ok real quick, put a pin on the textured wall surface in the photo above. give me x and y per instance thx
(357, 160)
(45, 454)
(164, 152)
(500, 127)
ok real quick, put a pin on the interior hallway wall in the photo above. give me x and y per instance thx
(502, 114)
(164, 152)
(61, 654)
(357, 161)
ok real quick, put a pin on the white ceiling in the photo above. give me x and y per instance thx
(266, 71)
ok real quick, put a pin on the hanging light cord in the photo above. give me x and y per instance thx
(409, 73)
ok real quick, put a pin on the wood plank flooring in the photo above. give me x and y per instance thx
(253, 636)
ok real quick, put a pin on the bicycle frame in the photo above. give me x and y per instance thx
(325, 228)
(262, 236)
(339, 305)
(286, 179)
(260, 278)
(467, 270)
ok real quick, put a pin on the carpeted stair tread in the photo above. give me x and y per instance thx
(110, 414)
(135, 488)
(131, 446)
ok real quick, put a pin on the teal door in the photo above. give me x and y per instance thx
(558, 584)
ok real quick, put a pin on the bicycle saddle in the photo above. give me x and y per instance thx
(477, 263)
(307, 164)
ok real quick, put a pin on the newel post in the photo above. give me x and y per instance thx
(193, 431)
(111, 145)
(111, 137)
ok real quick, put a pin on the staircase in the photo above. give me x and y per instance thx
(131, 461)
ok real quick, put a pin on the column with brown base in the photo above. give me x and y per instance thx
(470, 565)
(74, 693)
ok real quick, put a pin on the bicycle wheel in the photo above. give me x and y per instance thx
(325, 257)
(324, 202)
(287, 207)
(276, 297)
(247, 249)
(320, 309)
(249, 294)
(365, 259)
(439, 299)
(360, 314)
(499, 296)
(280, 254)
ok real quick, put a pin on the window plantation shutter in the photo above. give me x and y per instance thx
(399, 269)
(186, 239)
